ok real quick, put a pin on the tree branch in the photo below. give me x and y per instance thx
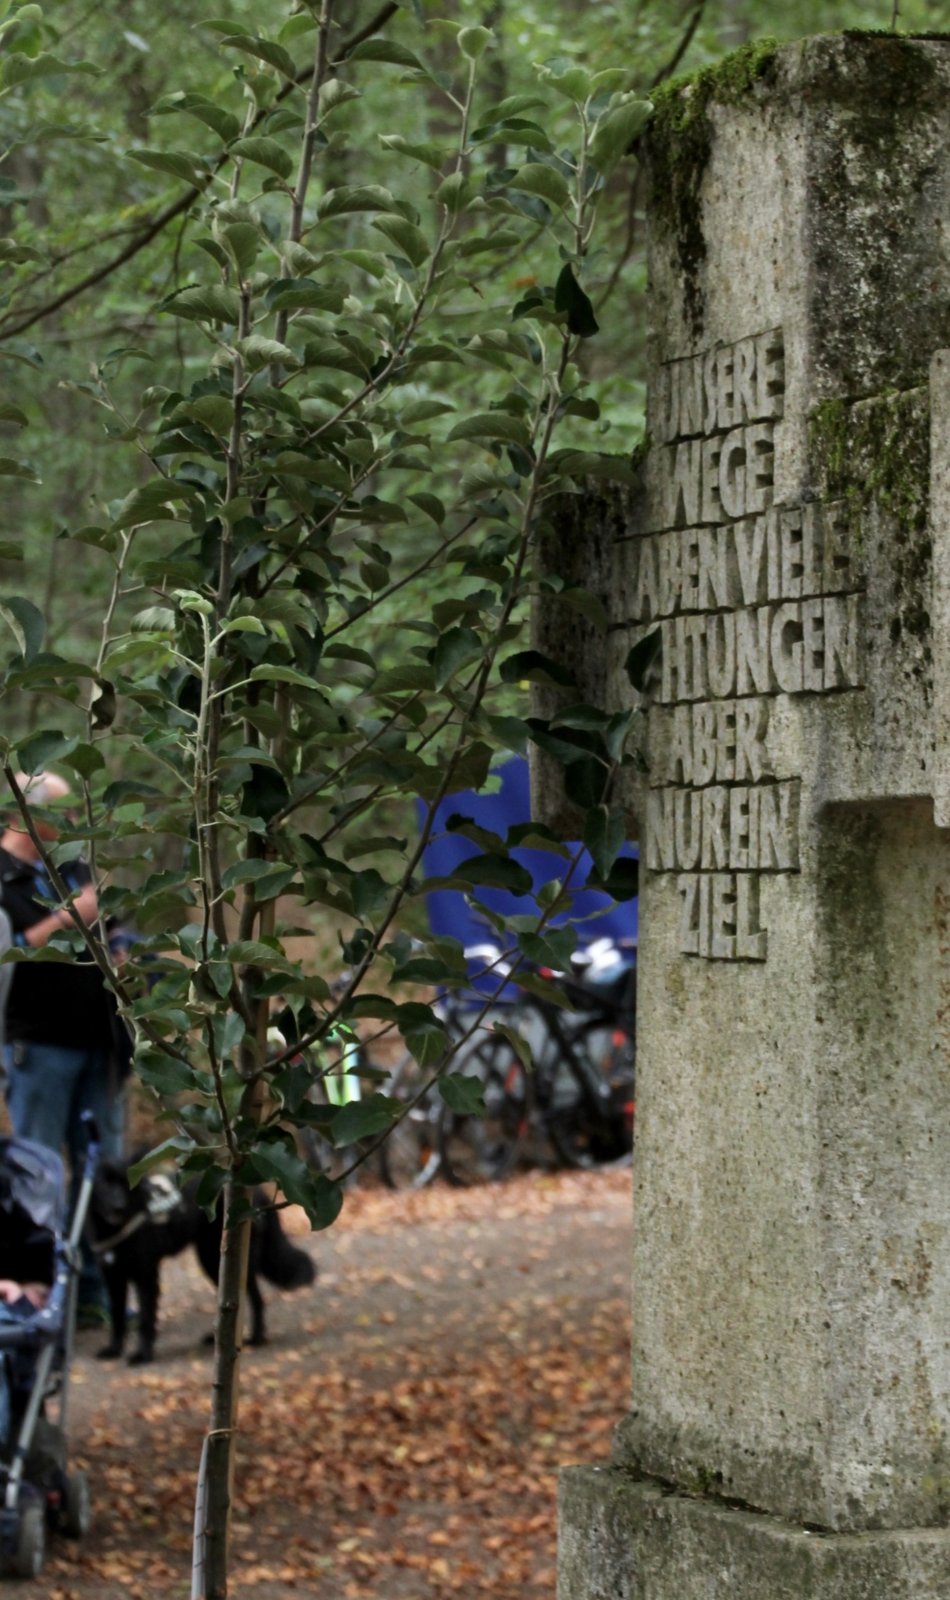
(10, 329)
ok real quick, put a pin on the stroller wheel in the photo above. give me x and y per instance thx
(30, 1551)
(76, 1512)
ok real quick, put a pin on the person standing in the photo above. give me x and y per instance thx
(61, 1049)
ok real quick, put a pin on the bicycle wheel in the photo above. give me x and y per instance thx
(485, 1149)
(588, 1096)
(410, 1157)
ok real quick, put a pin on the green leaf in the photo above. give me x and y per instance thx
(177, 163)
(17, 469)
(615, 132)
(205, 305)
(224, 25)
(495, 872)
(431, 505)
(570, 297)
(18, 253)
(453, 192)
(167, 1075)
(17, 69)
(265, 50)
(588, 464)
(242, 240)
(386, 50)
(473, 42)
(224, 123)
(641, 659)
(19, 350)
(536, 178)
(623, 880)
(212, 411)
(488, 425)
(168, 1150)
(335, 92)
(322, 1200)
(260, 352)
(406, 236)
(553, 948)
(423, 411)
(424, 1034)
(431, 155)
(85, 759)
(243, 625)
(267, 673)
(363, 1119)
(458, 647)
(514, 131)
(605, 833)
(35, 754)
(585, 781)
(515, 104)
(531, 666)
(573, 82)
(463, 1093)
(265, 152)
(519, 1044)
(26, 624)
(11, 413)
(355, 198)
(155, 501)
(299, 294)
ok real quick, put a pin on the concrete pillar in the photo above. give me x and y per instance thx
(789, 1434)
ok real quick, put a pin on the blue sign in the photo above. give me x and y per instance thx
(449, 912)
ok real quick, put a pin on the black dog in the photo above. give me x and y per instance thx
(134, 1229)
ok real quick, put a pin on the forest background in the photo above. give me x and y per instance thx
(91, 241)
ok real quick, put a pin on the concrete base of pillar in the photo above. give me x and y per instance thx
(628, 1538)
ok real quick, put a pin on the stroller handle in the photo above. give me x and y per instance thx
(91, 1126)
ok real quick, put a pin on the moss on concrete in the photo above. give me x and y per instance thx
(679, 143)
(892, 73)
(877, 453)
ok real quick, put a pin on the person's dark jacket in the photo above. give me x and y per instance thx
(62, 1002)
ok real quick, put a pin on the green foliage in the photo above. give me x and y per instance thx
(313, 599)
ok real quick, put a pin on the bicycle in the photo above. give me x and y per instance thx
(580, 1097)
(586, 1073)
(414, 1151)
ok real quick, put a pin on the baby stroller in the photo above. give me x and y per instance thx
(37, 1493)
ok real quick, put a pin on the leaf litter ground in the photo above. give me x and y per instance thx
(402, 1432)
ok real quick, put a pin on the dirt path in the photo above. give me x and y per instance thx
(402, 1431)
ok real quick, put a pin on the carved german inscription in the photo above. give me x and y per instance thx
(753, 600)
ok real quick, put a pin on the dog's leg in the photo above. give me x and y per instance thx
(117, 1286)
(148, 1293)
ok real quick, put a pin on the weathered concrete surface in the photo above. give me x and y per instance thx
(940, 598)
(626, 1539)
(791, 1259)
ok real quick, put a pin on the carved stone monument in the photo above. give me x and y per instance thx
(789, 1435)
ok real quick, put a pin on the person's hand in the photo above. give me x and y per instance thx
(11, 1292)
(86, 904)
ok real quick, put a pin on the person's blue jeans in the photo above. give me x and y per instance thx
(49, 1086)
